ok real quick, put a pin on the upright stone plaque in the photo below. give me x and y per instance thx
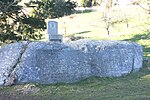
(52, 30)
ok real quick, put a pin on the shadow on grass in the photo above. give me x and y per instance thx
(84, 11)
(73, 36)
(99, 88)
(83, 32)
(78, 33)
(138, 37)
(108, 80)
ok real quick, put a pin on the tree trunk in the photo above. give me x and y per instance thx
(148, 3)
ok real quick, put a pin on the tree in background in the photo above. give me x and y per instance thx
(17, 25)
(53, 8)
(86, 3)
(111, 18)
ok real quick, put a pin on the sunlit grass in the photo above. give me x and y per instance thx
(131, 87)
(90, 25)
(135, 86)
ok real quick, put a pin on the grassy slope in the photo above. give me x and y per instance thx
(141, 38)
(135, 86)
(91, 25)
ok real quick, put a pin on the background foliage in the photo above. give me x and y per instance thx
(18, 24)
(53, 8)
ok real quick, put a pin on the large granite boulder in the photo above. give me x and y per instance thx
(47, 62)
(10, 56)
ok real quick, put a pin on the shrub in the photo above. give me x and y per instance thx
(86, 3)
(53, 8)
(15, 24)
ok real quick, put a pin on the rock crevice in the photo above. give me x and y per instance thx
(46, 62)
(12, 77)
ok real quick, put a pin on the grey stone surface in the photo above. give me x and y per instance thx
(112, 58)
(46, 62)
(52, 27)
(9, 56)
(51, 63)
(52, 30)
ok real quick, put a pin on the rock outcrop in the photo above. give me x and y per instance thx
(9, 58)
(46, 62)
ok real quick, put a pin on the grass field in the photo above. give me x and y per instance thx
(135, 86)
(90, 25)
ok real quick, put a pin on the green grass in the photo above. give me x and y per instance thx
(84, 11)
(140, 38)
(132, 87)
(135, 86)
(90, 25)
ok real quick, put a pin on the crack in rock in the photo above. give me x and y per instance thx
(11, 78)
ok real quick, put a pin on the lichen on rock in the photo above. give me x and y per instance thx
(50, 62)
